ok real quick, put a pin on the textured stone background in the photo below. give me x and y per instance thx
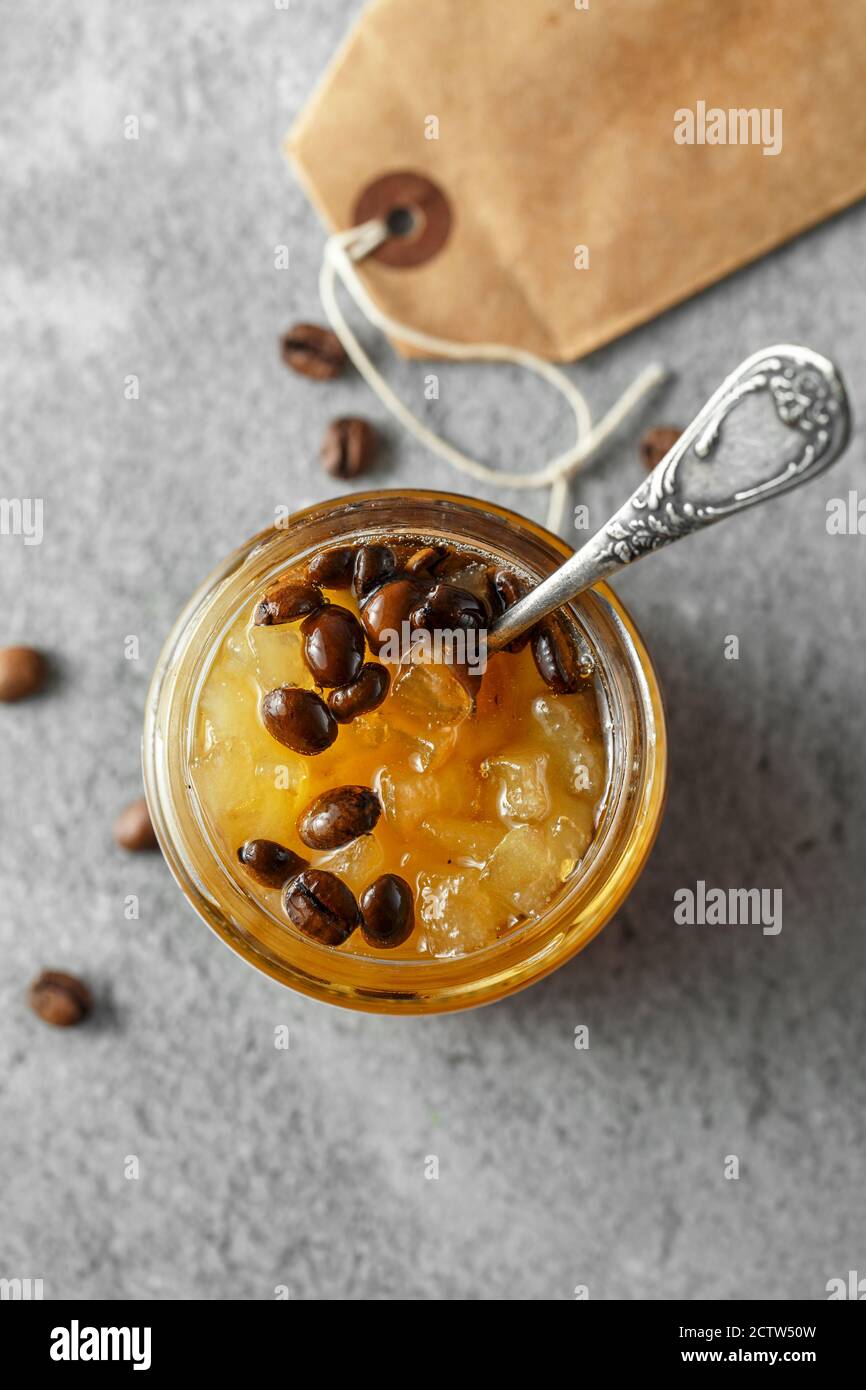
(304, 1168)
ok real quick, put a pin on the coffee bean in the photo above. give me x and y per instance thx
(333, 645)
(299, 718)
(655, 444)
(468, 573)
(286, 600)
(313, 351)
(387, 912)
(349, 447)
(269, 863)
(133, 829)
(559, 663)
(22, 672)
(365, 693)
(374, 565)
(332, 569)
(508, 588)
(339, 816)
(446, 606)
(387, 607)
(321, 906)
(422, 561)
(60, 999)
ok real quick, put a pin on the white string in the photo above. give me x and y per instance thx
(342, 250)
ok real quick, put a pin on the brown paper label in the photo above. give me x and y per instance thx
(580, 151)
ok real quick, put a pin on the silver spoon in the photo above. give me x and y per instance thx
(780, 419)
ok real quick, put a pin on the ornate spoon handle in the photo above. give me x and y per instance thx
(780, 419)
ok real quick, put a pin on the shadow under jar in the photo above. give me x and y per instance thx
(410, 980)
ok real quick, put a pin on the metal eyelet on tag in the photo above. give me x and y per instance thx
(417, 212)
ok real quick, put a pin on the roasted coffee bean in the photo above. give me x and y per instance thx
(349, 447)
(387, 912)
(60, 999)
(388, 607)
(287, 600)
(365, 693)
(321, 906)
(22, 672)
(446, 606)
(374, 564)
(422, 561)
(269, 863)
(560, 664)
(655, 444)
(133, 829)
(466, 572)
(507, 589)
(332, 569)
(299, 718)
(339, 816)
(333, 645)
(313, 351)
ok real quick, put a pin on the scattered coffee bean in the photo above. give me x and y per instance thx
(508, 588)
(332, 569)
(313, 351)
(287, 600)
(388, 607)
(299, 718)
(321, 906)
(446, 606)
(269, 863)
(349, 447)
(22, 672)
(655, 444)
(60, 999)
(333, 645)
(365, 693)
(374, 565)
(422, 561)
(557, 658)
(133, 829)
(387, 912)
(339, 816)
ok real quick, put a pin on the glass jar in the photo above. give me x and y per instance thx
(628, 818)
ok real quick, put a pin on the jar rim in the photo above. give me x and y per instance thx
(575, 914)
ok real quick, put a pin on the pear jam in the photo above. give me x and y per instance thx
(375, 788)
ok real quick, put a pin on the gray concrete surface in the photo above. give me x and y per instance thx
(304, 1168)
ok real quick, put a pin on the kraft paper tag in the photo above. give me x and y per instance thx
(572, 158)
